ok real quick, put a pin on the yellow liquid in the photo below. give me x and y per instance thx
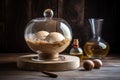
(96, 50)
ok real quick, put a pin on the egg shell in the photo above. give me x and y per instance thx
(97, 63)
(88, 64)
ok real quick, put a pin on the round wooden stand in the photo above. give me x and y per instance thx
(65, 62)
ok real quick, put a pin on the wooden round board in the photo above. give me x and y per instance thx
(65, 62)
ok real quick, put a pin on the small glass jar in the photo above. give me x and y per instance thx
(48, 36)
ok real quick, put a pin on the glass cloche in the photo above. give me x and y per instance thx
(48, 36)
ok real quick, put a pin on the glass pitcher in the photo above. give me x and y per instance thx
(96, 47)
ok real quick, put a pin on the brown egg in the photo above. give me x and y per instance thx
(97, 63)
(88, 64)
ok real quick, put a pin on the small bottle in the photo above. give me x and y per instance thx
(76, 50)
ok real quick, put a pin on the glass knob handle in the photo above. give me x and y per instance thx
(48, 13)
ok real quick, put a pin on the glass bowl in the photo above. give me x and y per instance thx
(48, 36)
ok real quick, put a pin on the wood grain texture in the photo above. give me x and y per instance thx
(15, 14)
(2, 24)
(109, 71)
(65, 62)
(73, 13)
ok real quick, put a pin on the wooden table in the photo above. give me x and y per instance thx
(9, 71)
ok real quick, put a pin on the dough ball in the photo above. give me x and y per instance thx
(55, 37)
(42, 35)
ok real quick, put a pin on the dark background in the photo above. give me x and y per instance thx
(15, 14)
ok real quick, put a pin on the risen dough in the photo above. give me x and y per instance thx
(42, 35)
(55, 37)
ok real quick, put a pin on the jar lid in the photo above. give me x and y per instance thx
(48, 23)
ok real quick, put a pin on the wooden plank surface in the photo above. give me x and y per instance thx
(109, 71)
